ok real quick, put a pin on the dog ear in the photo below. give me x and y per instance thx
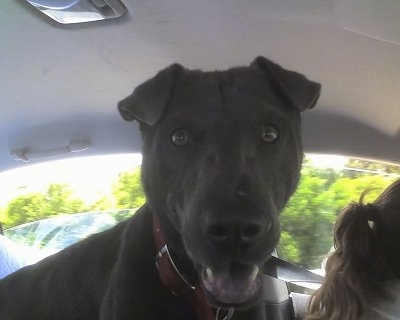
(293, 87)
(148, 101)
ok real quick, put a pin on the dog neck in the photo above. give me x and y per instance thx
(173, 279)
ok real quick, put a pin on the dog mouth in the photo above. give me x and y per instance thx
(234, 284)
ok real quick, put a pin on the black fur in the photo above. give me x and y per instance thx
(221, 157)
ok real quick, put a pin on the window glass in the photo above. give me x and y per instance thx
(52, 205)
(327, 184)
(55, 204)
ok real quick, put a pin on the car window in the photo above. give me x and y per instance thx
(51, 205)
(55, 204)
(327, 184)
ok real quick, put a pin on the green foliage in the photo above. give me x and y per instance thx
(56, 200)
(312, 211)
(128, 191)
(103, 203)
(289, 248)
(59, 199)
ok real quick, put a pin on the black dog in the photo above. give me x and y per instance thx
(221, 157)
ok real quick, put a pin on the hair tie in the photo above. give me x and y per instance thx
(370, 212)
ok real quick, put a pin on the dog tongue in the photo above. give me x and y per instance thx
(233, 285)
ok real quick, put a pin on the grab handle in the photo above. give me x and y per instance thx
(26, 154)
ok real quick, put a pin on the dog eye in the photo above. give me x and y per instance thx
(269, 134)
(180, 137)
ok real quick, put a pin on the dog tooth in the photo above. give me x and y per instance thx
(210, 274)
(254, 273)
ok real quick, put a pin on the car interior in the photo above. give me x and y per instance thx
(65, 64)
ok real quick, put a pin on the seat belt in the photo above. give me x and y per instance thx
(292, 273)
(280, 304)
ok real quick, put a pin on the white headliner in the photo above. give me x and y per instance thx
(60, 82)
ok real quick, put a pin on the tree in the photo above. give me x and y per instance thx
(128, 191)
(103, 203)
(57, 199)
(308, 219)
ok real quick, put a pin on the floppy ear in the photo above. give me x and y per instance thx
(293, 87)
(148, 101)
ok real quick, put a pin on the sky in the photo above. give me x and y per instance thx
(88, 177)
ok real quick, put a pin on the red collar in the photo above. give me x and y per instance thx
(174, 280)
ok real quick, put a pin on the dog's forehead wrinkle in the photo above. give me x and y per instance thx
(224, 95)
(208, 114)
(231, 88)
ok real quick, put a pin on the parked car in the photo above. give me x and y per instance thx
(54, 234)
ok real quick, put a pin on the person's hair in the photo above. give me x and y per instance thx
(367, 253)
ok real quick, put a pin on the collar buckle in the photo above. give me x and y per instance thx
(179, 286)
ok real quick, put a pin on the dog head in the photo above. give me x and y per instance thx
(221, 157)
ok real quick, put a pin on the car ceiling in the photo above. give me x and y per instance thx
(61, 83)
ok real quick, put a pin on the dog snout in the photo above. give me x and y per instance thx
(235, 230)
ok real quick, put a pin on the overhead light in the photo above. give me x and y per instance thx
(78, 11)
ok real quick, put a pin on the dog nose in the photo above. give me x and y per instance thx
(234, 231)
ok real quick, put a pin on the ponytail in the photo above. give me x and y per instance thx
(355, 270)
